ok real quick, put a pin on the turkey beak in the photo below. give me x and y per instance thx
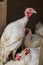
(34, 12)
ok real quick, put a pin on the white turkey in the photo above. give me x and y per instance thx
(32, 40)
(34, 45)
(21, 59)
(31, 55)
(13, 34)
(26, 57)
(28, 35)
(35, 40)
(39, 29)
(35, 53)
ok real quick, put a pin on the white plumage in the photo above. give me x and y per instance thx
(31, 58)
(26, 58)
(27, 40)
(21, 62)
(10, 63)
(39, 29)
(34, 40)
(14, 33)
(35, 53)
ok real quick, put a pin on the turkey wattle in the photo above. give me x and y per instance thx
(13, 34)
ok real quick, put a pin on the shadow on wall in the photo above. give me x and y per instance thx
(1, 0)
(16, 10)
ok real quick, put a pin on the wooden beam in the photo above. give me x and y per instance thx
(3, 15)
(41, 54)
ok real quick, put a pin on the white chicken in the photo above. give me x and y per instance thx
(39, 29)
(13, 34)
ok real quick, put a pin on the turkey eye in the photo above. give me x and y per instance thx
(30, 9)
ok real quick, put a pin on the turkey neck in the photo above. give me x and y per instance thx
(24, 21)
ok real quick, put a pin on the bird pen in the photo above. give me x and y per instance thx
(4, 20)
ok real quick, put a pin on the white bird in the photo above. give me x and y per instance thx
(32, 40)
(18, 61)
(35, 40)
(26, 57)
(34, 45)
(39, 29)
(35, 53)
(31, 56)
(28, 35)
(21, 58)
(13, 34)
(10, 63)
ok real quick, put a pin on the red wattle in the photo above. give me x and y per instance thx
(28, 14)
(18, 56)
(27, 50)
(26, 31)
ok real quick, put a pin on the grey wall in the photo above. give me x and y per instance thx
(16, 10)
